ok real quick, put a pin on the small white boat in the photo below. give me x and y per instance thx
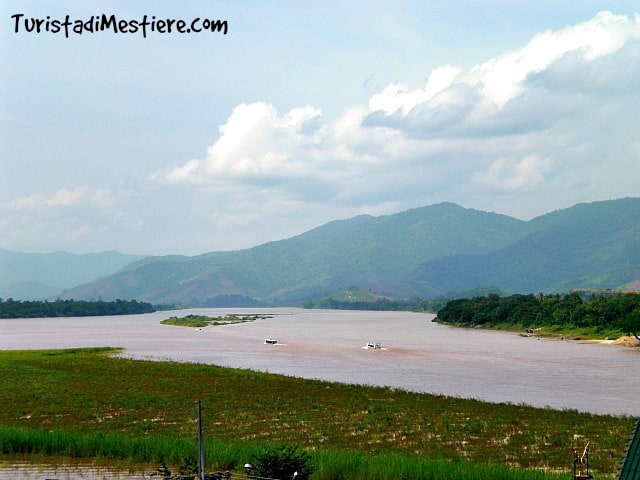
(374, 346)
(270, 341)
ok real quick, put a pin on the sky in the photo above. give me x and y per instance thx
(304, 113)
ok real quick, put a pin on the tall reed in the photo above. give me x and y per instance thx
(327, 464)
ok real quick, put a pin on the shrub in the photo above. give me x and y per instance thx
(283, 462)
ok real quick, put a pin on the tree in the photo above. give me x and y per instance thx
(284, 463)
(630, 323)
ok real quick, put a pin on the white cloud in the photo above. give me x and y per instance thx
(254, 143)
(24, 203)
(103, 198)
(507, 174)
(501, 79)
(62, 198)
(524, 122)
(187, 173)
(399, 97)
(66, 198)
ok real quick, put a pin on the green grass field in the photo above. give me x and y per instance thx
(87, 403)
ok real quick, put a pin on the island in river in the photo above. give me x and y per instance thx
(200, 321)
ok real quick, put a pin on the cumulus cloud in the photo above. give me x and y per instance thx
(495, 115)
(507, 174)
(536, 125)
(486, 89)
(65, 197)
(399, 97)
(61, 198)
(28, 202)
(255, 142)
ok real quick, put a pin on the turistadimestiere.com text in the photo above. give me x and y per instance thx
(111, 23)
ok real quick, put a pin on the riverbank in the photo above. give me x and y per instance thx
(623, 341)
(626, 341)
(579, 335)
(89, 404)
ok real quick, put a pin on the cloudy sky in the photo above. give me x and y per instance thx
(307, 112)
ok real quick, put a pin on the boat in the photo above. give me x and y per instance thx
(374, 346)
(270, 341)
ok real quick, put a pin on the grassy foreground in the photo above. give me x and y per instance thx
(86, 403)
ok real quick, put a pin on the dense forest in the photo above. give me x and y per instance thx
(605, 313)
(10, 308)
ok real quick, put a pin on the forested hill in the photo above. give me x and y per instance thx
(593, 245)
(424, 252)
(374, 253)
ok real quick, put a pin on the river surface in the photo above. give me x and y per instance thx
(419, 355)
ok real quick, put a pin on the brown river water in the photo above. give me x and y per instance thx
(418, 355)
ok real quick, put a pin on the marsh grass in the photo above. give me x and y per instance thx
(87, 403)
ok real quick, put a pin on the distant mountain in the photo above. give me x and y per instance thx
(39, 276)
(30, 291)
(426, 252)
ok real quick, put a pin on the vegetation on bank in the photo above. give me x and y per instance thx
(201, 321)
(88, 403)
(11, 308)
(611, 316)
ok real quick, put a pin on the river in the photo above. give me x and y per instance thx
(419, 355)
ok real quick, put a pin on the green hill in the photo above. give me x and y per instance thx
(593, 245)
(424, 252)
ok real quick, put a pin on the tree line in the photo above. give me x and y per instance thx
(618, 312)
(10, 308)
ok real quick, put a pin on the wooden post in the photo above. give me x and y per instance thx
(579, 463)
(200, 444)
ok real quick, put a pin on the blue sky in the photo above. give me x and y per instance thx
(307, 112)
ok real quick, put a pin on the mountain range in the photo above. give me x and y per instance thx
(424, 252)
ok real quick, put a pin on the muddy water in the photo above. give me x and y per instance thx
(419, 355)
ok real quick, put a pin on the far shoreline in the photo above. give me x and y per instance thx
(626, 341)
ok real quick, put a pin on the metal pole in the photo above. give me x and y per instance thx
(200, 444)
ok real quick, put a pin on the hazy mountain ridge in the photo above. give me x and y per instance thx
(426, 252)
(37, 276)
